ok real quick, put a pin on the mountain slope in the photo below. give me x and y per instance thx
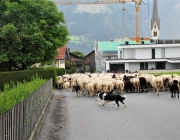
(104, 22)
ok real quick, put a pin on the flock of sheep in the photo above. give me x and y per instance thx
(117, 82)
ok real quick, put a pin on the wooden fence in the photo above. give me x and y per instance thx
(18, 123)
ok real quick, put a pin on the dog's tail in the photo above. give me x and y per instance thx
(125, 96)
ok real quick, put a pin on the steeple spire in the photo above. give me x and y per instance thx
(155, 22)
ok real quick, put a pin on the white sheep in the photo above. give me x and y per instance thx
(66, 85)
(59, 83)
(136, 83)
(90, 89)
(119, 86)
(157, 84)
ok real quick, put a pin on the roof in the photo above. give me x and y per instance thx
(61, 53)
(89, 53)
(155, 16)
(170, 60)
(177, 45)
(113, 45)
(76, 56)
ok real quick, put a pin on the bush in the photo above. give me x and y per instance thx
(19, 76)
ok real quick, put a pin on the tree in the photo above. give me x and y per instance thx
(78, 53)
(30, 32)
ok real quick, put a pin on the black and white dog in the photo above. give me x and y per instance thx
(174, 88)
(109, 97)
(77, 89)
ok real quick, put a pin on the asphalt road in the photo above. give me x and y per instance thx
(146, 117)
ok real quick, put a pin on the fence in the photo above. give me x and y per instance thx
(19, 122)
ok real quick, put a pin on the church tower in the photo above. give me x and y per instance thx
(155, 22)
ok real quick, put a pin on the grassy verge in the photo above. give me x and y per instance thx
(15, 93)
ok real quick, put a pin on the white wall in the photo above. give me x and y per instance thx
(158, 53)
(143, 53)
(126, 65)
(129, 53)
(172, 52)
(151, 65)
(172, 66)
(134, 67)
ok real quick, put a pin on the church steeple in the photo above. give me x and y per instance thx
(155, 22)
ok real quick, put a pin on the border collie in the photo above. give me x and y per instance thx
(108, 97)
(77, 89)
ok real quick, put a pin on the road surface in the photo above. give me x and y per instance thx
(146, 117)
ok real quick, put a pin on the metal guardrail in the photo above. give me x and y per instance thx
(18, 123)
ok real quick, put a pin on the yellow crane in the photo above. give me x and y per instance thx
(136, 2)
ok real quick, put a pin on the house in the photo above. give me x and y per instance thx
(89, 61)
(62, 56)
(161, 55)
(79, 61)
(109, 50)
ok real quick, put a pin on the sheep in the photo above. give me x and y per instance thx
(119, 86)
(109, 86)
(66, 85)
(36, 65)
(82, 82)
(136, 83)
(90, 89)
(59, 83)
(128, 86)
(157, 83)
(143, 85)
(102, 86)
(73, 84)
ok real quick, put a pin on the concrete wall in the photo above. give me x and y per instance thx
(151, 65)
(129, 53)
(172, 66)
(157, 53)
(134, 67)
(172, 52)
(143, 53)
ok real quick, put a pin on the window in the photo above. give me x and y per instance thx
(160, 65)
(61, 61)
(155, 26)
(121, 53)
(144, 66)
(155, 33)
(109, 57)
(153, 53)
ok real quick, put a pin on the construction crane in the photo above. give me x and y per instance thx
(136, 2)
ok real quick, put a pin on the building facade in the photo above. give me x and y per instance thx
(145, 57)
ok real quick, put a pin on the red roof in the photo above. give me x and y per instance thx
(143, 38)
(61, 53)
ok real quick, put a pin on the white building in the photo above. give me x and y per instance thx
(144, 57)
(154, 53)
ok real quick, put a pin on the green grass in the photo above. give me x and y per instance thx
(16, 93)
(77, 39)
(171, 73)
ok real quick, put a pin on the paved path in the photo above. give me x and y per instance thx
(146, 117)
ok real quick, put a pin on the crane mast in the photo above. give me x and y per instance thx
(136, 2)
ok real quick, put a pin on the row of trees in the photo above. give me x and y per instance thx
(30, 32)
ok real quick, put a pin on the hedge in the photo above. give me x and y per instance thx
(14, 76)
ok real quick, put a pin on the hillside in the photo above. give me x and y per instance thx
(89, 23)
